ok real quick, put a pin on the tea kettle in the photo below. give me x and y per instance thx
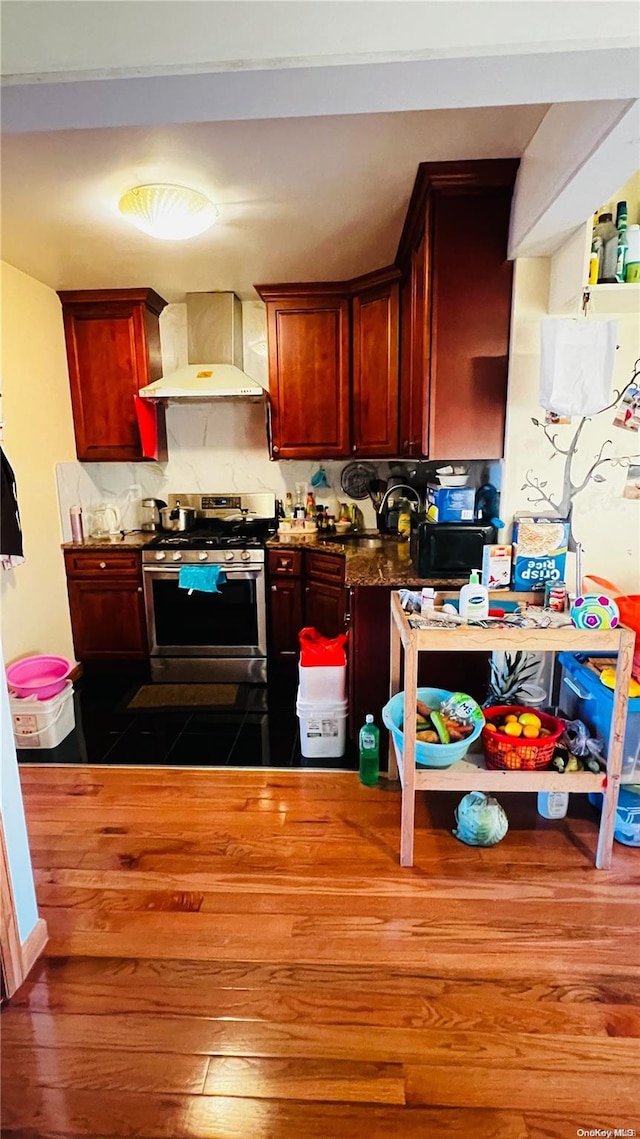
(150, 513)
(105, 520)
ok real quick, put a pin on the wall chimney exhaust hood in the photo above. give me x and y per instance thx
(214, 371)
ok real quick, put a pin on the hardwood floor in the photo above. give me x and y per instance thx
(238, 955)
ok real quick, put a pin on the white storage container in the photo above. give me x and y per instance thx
(323, 727)
(326, 684)
(43, 723)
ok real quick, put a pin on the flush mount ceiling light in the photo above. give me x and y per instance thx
(171, 213)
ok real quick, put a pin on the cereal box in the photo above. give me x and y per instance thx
(496, 567)
(539, 550)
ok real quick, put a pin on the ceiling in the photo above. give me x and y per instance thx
(303, 121)
(315, 198)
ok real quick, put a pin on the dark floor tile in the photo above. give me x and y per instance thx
(216, 721)
(208, 749)
(252, 746)
(144, 747)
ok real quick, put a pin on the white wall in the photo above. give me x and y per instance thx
(38, 432)
(607, 524)
(15, 830)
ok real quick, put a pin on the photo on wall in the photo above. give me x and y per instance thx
(632, 484)
(628, 411)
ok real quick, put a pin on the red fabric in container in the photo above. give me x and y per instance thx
(318, 651)
(147, 416)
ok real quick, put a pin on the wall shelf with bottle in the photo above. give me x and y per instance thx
(569, 276)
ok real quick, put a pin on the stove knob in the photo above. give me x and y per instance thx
(160, 556)
(245, 555)
(229, 557)
(177, 557)
(202, 557)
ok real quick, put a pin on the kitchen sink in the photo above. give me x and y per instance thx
(362, 541)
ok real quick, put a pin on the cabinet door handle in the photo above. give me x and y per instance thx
(405, 444)
(354, 448)
(275, 450)
(103, 565)
(274, 589)
(139, 589)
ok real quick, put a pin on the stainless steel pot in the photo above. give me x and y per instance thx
(178, 517)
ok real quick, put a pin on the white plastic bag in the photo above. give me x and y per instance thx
(576, 365)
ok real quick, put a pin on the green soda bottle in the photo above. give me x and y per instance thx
(369, 744)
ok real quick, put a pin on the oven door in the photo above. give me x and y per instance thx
(183, 623)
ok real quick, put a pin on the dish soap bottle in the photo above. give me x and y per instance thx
(553, 804)
(474, 599)
(369, 744)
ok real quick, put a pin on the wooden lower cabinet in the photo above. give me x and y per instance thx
(285, 619)
(324, 607)
(305, 588)
(106, 604)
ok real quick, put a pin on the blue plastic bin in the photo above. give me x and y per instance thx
(584, 697)
(627, 825)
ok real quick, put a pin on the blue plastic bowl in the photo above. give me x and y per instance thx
(429, 755)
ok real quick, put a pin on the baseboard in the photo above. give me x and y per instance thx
(33, 946)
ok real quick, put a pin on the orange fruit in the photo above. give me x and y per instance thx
(491, 727)
(513, 728)
(530, 720)
(530, 732)
(511, 719)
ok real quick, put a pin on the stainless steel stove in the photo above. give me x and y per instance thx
(208, 626)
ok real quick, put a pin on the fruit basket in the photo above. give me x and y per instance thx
(504, 752)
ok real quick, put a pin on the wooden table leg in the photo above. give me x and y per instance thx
(616, 749)
(409, 755)
(394, 686)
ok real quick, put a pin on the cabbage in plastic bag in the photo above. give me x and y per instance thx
(480, 819)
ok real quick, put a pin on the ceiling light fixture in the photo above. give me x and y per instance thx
(171, 213)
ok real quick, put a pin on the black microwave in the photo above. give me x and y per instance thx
(449, 549)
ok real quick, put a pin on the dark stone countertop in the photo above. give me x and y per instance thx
(388, 565)
(136, 540)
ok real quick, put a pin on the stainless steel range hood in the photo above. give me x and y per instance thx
(214, 371)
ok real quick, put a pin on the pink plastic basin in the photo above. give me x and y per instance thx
(40, 676)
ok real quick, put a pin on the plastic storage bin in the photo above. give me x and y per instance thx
(323, 728)
(627, 825)
(429, 755)
(41, 676)
(323, 684)
(584, 697)
(43, 723)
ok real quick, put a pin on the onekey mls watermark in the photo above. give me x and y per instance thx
(606, 1132)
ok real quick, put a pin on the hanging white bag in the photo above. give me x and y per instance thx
(576, 365)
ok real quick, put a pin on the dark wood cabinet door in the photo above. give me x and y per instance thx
(285, 619)
(325, 607)
(471, 285)
(308, 374)
(414, 426)
(107, 618)
(375, 370)
(113, 349)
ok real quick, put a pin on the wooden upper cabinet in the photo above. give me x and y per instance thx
(333, 367)
(456, 309)
(113, 350)
(375, 340)
(308, 333)
(414, 363)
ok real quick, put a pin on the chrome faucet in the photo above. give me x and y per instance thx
(400, 486)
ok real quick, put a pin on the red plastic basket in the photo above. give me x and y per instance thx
(510, 753)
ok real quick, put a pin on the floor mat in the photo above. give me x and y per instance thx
(185, 696)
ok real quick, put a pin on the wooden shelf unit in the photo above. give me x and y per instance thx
(471, 773)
